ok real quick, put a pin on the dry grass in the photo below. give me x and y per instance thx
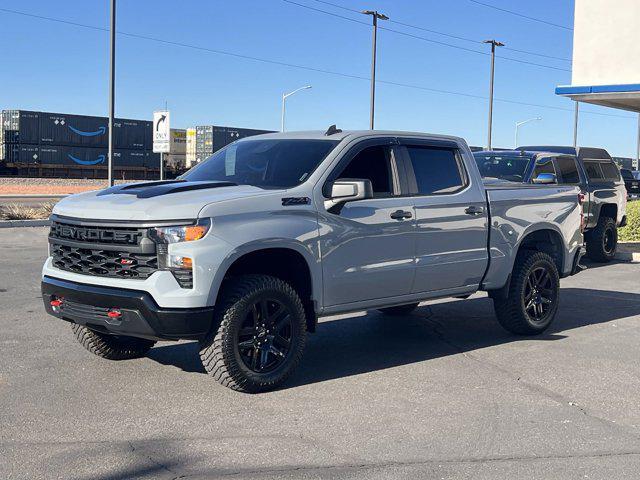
(26, 212)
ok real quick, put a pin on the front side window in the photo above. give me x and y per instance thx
(263, 163)
(594, 172)
(437, 170)
(544, 165)
(568, 170)
(372, 163)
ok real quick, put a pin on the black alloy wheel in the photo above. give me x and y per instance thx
(265, 337)
(539, 295)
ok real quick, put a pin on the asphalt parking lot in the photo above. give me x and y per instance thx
(443, 393)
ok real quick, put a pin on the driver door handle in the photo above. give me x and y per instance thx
(401, 215)
(473, 210)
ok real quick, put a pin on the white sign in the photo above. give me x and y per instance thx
(161, 132)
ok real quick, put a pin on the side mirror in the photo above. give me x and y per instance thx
(346, 190)
(545, 179)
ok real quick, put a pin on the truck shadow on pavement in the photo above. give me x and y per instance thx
(362, 343)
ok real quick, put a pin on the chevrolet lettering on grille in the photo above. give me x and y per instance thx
(94, 235)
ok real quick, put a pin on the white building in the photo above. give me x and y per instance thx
(606, 54)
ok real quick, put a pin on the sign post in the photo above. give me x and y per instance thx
(161, 136)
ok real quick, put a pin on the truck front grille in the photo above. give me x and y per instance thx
(120, 252)
(107, 263)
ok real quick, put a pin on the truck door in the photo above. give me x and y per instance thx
(367, 246)
(451, 217)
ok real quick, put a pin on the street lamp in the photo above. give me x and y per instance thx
(375, 17)
(112, 89)
(519, 124)
(284, 98)
(494, 44)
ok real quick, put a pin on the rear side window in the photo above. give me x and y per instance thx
(610, 171)
(594, 172)
(437, 170)
(568, 170)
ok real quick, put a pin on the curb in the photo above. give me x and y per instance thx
(24, 223)
(629, 252)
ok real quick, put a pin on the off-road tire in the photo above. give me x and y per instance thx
(511, 311)
(219, 351)
(399, 310)
(602, 241)
(111, 347)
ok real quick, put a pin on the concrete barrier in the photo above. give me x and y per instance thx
(629, 252)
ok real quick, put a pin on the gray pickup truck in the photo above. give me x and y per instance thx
(246, 250)
(592, 169)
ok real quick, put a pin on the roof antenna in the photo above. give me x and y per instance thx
(332, 130)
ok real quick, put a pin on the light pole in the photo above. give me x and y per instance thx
(375, 17)
(284, 98)
(112, 86)
(519, 124)
(576, 114)
(494, 44)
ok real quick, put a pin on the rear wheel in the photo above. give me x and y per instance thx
(400, 309)
(111, 347)
(261, 334)
(534, 293)
(602, 241)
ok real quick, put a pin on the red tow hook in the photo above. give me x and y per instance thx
(56, 305)
(114, 313)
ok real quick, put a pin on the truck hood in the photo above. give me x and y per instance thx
(164, 200)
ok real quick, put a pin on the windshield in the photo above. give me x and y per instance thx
(627, 174)
(503, 167)
(263, 163)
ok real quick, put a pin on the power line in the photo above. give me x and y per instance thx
(449, 35)
(430, 40)
(297, 66)
(511, 12)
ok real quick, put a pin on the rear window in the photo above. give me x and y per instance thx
(437, 170)
(504, 167)
(568, 170)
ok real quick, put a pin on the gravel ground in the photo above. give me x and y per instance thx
(443, 393)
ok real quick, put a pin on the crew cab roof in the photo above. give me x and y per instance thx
(351, 134)
(580, 152)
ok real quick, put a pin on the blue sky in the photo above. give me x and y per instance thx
(53, 66)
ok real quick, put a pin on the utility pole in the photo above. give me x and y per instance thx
(375, 16)
(494, 43)
(575, 124)
(112, 86)
(284, 104)
(638, 146)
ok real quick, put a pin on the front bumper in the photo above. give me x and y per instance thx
(141, 316)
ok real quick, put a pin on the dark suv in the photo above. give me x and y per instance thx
(631, 183)
(593, 169)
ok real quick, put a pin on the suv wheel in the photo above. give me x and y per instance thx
(260, 337)
(602, 241)
(400, 309)
(533, 296)
(111, 347)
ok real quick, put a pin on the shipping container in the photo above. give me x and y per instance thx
(211, 138)
(21, 126)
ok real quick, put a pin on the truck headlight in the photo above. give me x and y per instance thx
(181, 233)
(181, 267)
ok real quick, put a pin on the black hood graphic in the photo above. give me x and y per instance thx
(166, 187)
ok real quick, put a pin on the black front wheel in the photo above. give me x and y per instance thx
(534, 293)
(261, 334)
(111, 347)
